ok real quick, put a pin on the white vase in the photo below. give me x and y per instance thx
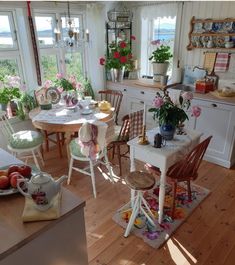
(159, 69)
(117, 74)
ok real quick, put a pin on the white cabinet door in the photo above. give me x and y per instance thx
(216, 120)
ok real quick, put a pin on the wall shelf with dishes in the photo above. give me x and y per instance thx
(212, 34)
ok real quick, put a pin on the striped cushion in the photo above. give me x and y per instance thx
(25, 139)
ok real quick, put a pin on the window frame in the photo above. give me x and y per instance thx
(13, 31)
(60, 52)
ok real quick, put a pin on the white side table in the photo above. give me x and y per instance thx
(163, 157)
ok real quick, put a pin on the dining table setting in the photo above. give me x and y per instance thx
(68, 119)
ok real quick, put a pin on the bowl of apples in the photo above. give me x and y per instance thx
(9, 176)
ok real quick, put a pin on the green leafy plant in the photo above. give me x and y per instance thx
(26, 103)
(168, 112)
(120, 55)
(10, 88)
(161, 55)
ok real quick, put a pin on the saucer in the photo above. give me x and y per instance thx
(86, 112)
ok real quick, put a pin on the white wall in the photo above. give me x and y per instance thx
(201, 9)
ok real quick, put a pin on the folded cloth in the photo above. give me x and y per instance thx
(136, 123)
(209, 61)
(31, 213)
(221, 63)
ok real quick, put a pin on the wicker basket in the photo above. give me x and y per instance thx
(120, 16)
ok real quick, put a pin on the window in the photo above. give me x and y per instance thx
(54, 57)
(160, 28)
(10, 63)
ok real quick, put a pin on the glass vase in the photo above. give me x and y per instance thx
(117, 74)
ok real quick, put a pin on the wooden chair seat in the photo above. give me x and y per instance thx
(139, 180)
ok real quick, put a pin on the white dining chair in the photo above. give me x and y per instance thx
(80, 150)
(24, 144)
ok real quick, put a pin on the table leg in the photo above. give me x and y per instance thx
(67, 141)
(162, 189)
(132, 168)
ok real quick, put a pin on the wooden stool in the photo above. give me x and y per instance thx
(139, 182)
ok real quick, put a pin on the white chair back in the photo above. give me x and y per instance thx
(92, 135)
(6, 127)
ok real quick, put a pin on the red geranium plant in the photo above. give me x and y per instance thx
(120, 55)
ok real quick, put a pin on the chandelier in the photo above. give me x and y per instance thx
(71, 36)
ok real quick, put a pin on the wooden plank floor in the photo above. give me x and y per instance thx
(206, 237)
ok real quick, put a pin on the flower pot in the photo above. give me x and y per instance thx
(117, 74)
(160, 69)
(167, 131)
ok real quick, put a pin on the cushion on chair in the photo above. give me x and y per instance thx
(25, 139)
(75, 148)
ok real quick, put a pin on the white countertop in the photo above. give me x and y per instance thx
(152, 86)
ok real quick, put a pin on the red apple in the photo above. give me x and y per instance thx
(4, 182)
(13, 168)
(14, 177)
(25, 171)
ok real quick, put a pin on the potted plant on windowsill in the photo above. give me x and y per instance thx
(10, 90)
(160, 58)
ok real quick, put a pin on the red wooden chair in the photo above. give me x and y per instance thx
(184, 170)
(120, 141)
(114, 98)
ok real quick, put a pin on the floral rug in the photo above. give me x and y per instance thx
(156, 236)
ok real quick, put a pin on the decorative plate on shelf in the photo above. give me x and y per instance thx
(207, 26)
(54, 94)
(217, 27)
(227, 26)
(198, 28)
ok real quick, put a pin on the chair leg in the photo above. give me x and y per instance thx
(59, 144)
(70, 170)
(93, 178)
(174, 197)
(108, 165)
(189, 191)
(113, 153)
(119, 160)
(41, 157)
(46, 141)
(42, 152)
(35, 160)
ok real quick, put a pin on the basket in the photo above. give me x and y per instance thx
(120, 16)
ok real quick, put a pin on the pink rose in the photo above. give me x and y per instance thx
(158, 102)
(59, 75)
(47, 84)
(133, 37)
(78, 86)
(187, 95)
(102, 61)
(196, 111)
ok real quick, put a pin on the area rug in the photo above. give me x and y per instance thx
(156, 236)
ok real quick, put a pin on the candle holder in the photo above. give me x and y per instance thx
(143, 139)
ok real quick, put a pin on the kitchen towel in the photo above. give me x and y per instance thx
(209, 61)
(222, 61)
(31, 213)
(231, 68)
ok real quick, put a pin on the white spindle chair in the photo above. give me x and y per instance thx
(25, 142)
(101, 158)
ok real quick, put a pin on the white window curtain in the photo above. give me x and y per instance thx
(143, 26)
